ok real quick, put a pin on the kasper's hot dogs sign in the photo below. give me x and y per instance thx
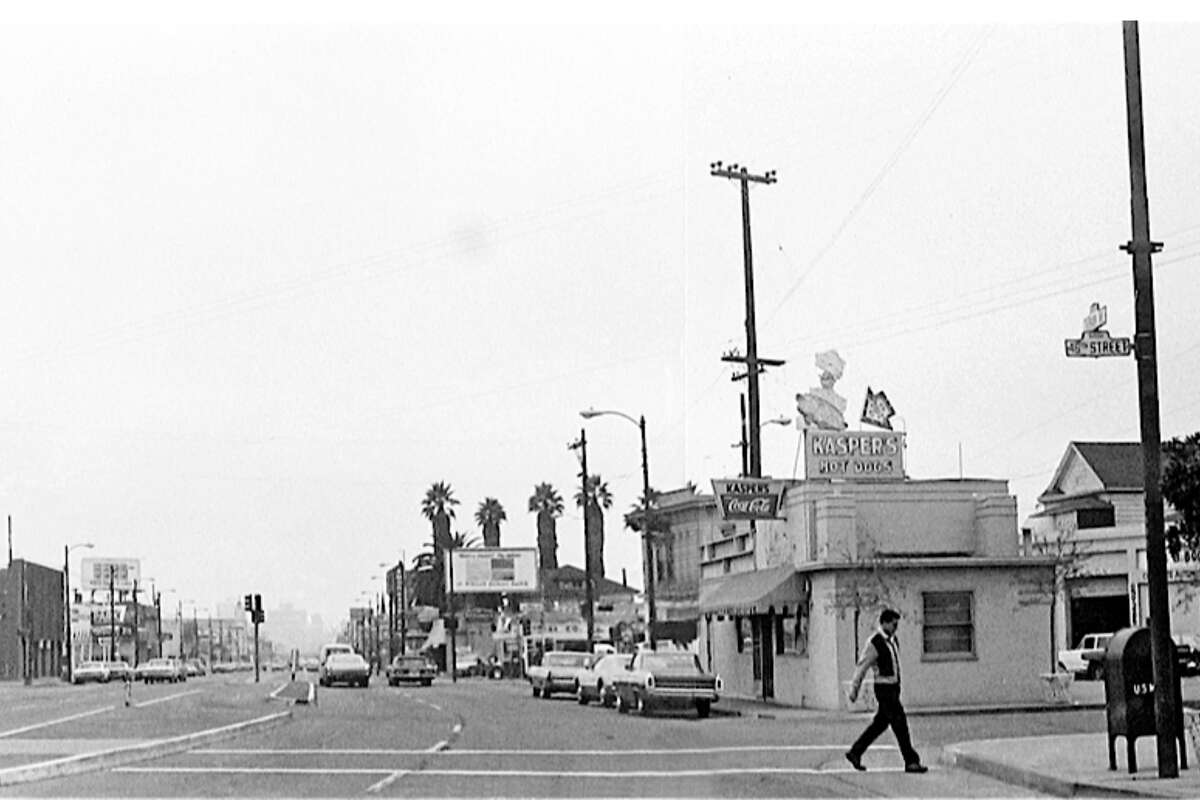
(748, 498)
(854, 455)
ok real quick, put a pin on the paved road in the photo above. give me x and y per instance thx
(480, 738)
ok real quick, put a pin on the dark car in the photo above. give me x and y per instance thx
(1187, 654)
(662, 679)
(411, 669)
(349, 668)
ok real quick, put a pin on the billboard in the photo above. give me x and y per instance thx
(853, 455)
(96, 572)
(493, 569)
(748, 498)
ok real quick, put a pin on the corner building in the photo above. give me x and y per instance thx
(786, 604)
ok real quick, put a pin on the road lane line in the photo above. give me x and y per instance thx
(145, 703)
(47, 723)
(515, 773)
(783, 748)
(388, 781)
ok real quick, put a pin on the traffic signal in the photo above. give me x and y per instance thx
(258, 615)
(248, 603)
(258, 602)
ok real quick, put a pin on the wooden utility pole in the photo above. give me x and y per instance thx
(753, 363)
(1166, 715)
(589, 609)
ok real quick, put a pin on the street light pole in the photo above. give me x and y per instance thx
(647, 551)
(67, 605)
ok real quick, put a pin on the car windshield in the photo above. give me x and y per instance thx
(568, 660)
(671, 661)
(345, 658)
(409, 661)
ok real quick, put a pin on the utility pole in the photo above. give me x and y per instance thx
(158, 619)
(754, 364)
(403, 610)
(1166, 715)
(589, 610)
(112, 616)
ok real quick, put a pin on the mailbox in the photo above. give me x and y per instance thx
(1129, 694)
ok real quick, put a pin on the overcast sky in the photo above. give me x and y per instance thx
(262, 286)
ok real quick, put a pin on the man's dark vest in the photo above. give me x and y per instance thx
(884, 664)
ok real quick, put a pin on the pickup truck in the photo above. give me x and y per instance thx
(558, 672)
(1087, 658)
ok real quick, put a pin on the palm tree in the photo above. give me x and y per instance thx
(462, 541)
(488, 517)
(599, 499)
(548, 505)
(658, 532)
(438, 508)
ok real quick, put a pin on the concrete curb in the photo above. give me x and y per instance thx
(1020, 776)
(90, 762)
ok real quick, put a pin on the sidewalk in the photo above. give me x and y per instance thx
(1074, 765)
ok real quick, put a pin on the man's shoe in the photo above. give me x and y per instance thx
(917, 768)
(855, 761)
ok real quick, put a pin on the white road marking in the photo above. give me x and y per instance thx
(386, 782)
(515, 773)
(47, 723)
(786, 748)
(175, 696)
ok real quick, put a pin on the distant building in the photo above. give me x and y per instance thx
(32, 621)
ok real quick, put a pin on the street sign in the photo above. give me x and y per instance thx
(1095, 342)
(1098, 344)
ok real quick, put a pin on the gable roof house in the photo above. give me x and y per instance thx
(1096, 501)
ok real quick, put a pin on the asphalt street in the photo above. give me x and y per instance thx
(481, 738)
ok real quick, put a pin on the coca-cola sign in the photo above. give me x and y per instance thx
(749, 498)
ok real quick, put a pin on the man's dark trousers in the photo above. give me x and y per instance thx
(890, 712)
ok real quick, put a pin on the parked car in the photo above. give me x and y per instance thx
(596, 682)
(195, 668)
(90, 672)
(1187, 652)
(661, 679)
(468, 664)
(119, 671)
(411, 669)
(349, 668)
(161, 670)
(1088, 658)
(558, 672)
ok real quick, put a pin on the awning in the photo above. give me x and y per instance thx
(778, 589)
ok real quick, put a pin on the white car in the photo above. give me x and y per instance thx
(596, 682)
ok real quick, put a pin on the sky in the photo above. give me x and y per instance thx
(264, 284)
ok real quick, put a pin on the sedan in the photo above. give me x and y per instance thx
(596, 682)
(411, 669)
(666, 679)
(349, 668)
(161, 670)
(90, 672)
(119, 671)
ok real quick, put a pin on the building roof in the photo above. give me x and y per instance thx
(1116, 465)
(554, 581)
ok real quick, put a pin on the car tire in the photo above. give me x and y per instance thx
(639, 704)
(622, 706)
(607, 699)
(703, 707)
(545, 692)
(537, 692)
(580, 694)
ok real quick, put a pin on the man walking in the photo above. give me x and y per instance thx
(882, 653)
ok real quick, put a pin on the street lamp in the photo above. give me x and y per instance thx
(67, 606)
(647, 556)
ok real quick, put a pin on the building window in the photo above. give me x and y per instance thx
(949, 624)
(1095, 518)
